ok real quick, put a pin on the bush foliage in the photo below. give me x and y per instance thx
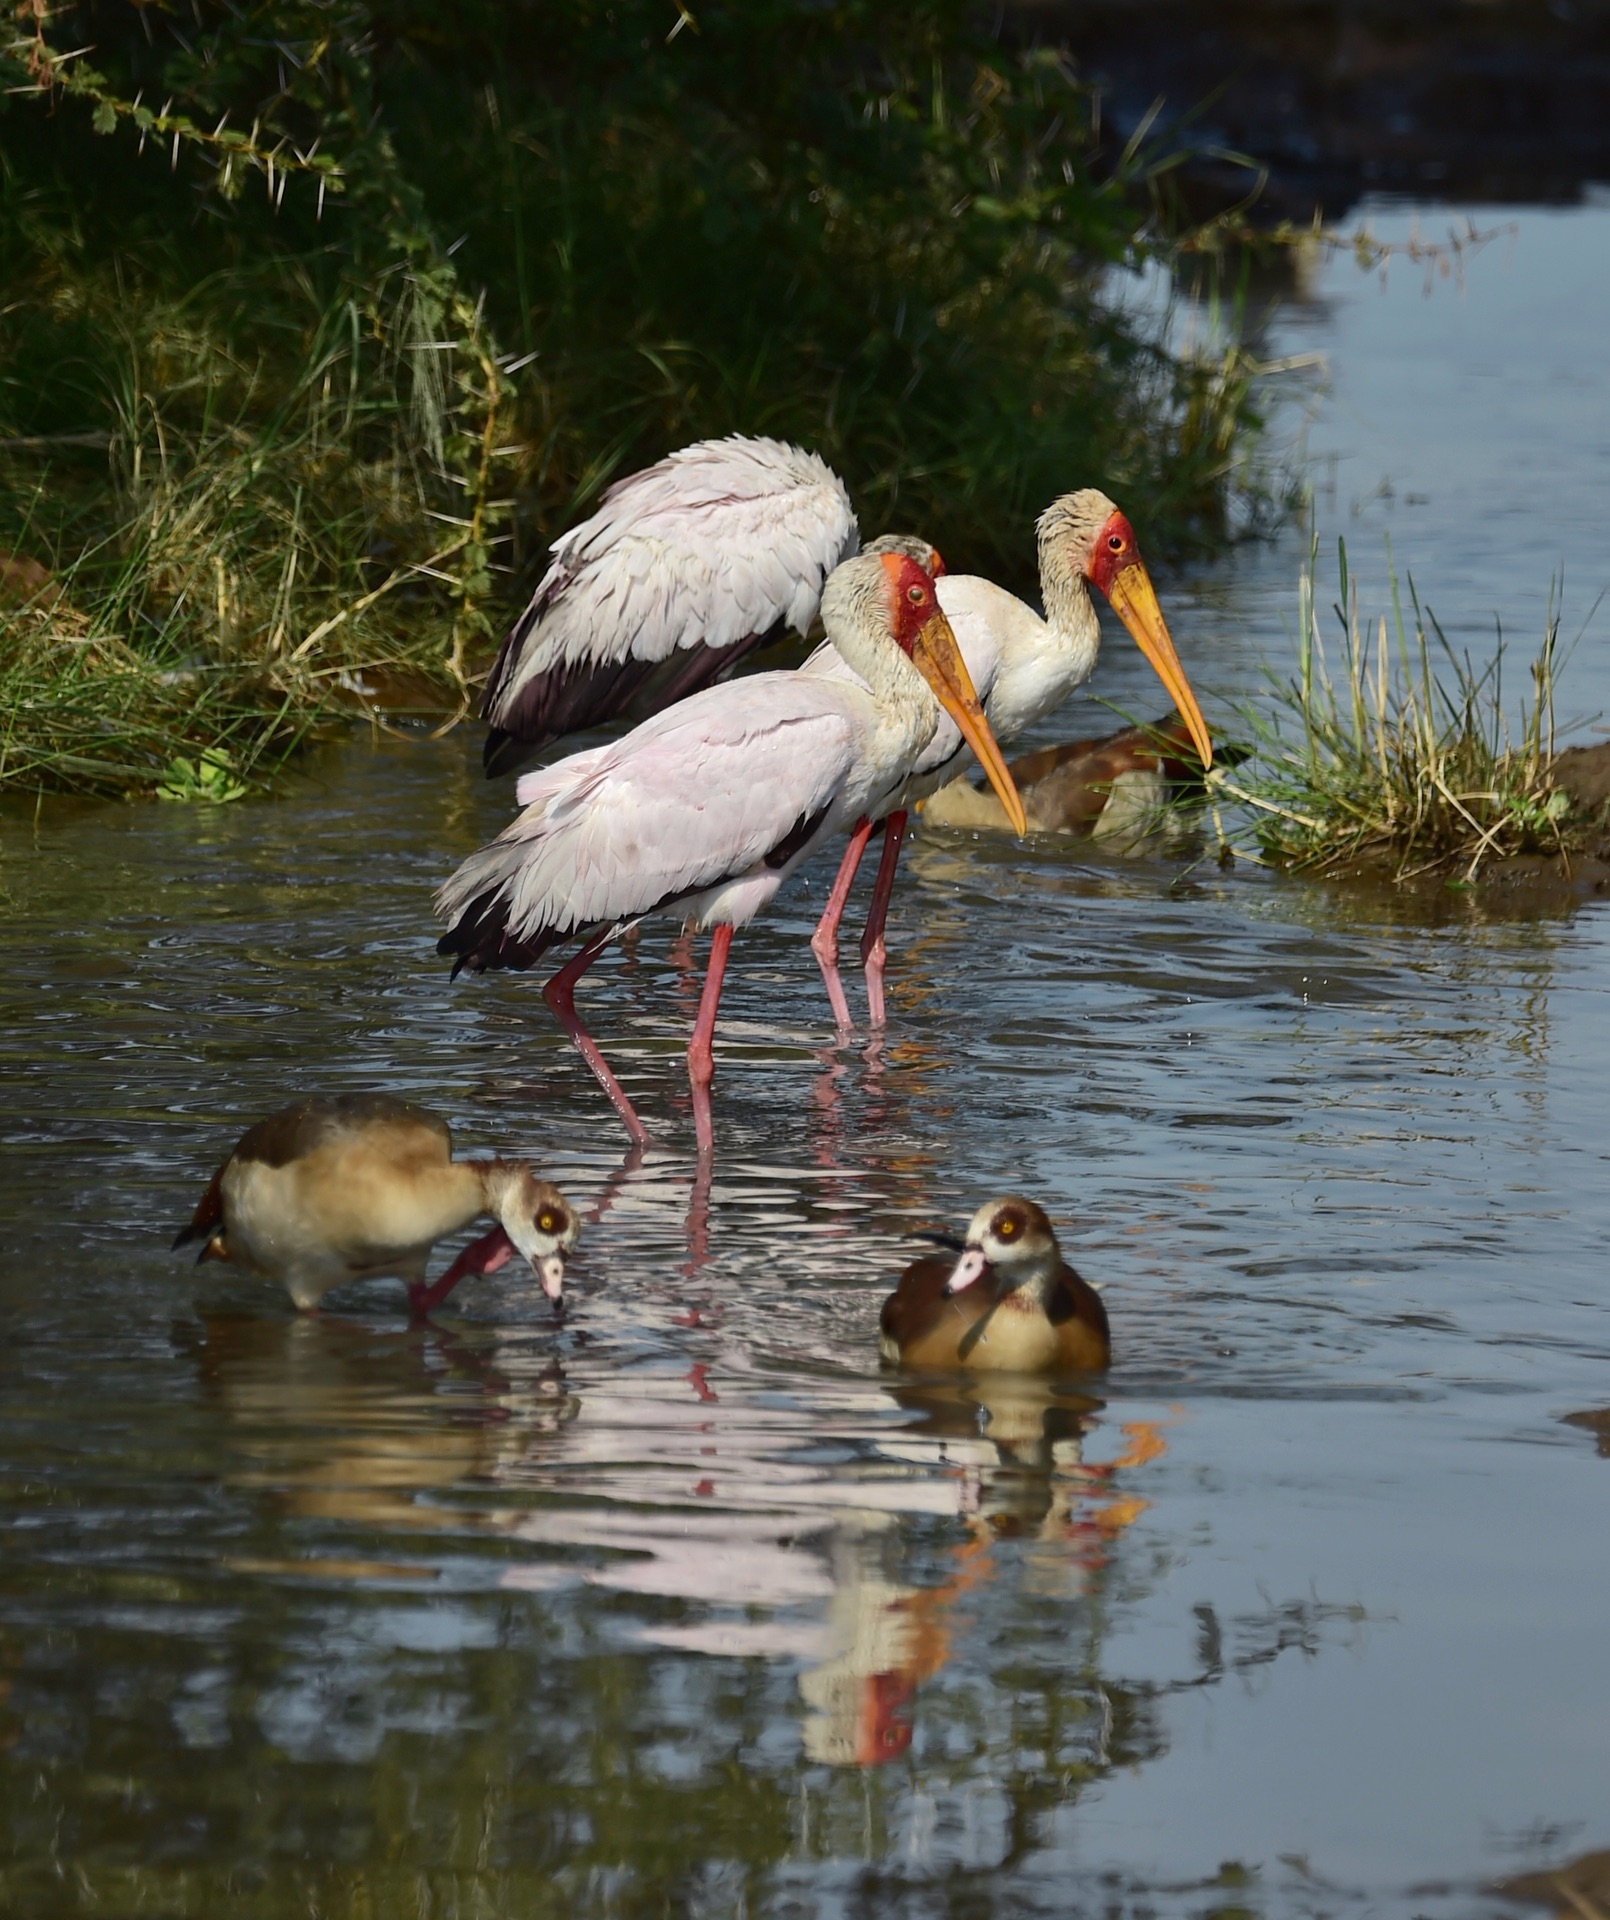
(320, 318)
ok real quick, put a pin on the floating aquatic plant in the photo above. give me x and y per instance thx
(210, 777)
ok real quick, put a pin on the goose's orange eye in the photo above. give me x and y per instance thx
(1006, 1228)
(547, 1222)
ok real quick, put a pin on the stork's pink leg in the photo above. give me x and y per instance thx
(701, 1058)
(825, 940)
(560, 994)
(873, 951)
(485, 1255)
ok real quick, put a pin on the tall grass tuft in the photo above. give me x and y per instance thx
(1396, 751)
(281, 518)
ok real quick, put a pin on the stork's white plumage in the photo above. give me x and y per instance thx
(1024, 666)
(705, 809)
(685, 568)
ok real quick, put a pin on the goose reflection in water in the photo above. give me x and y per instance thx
(1016, 1446)
(786, 1518)
(338, 1420)
(808, 1545)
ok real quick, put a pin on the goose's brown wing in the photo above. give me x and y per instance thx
(306, 1125)
(1078, 1313)
(926, 1323)
(1029, 769)
(918, 1299)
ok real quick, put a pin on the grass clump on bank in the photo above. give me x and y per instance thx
(1403, 759)
(318, 321)
(268, 526)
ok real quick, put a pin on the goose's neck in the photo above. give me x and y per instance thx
(497, 1184)
(1029, 1279)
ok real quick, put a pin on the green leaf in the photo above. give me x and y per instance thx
(104, 119)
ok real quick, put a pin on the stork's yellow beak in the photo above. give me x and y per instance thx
(1134, 600)
(938, 659)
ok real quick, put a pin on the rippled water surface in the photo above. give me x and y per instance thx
(680, 1606)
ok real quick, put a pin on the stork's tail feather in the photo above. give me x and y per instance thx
(565, 699)
(502, 752)
(479, 940)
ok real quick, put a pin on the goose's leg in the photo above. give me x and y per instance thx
(873, 951)
(560, 994)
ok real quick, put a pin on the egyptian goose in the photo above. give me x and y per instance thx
(1118, 788)
(358, 1185)
(1009, 1304)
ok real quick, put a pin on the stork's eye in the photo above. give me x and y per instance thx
(1116, 542)
(916, 595)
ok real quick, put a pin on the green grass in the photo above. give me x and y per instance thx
(317, 323)
(271, 523)
(1394, 752)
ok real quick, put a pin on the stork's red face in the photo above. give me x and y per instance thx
(913, 602)
(921, 630)
(1114, 564)
(1115, 547)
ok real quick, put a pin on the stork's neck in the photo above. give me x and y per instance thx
(907, 712)
(1069, 611)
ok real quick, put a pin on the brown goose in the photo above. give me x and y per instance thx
(1010, 1303)
(356, 1185)
(1119, 788)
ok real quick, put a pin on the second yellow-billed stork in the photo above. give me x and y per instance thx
(1024, 666)
(685, 569)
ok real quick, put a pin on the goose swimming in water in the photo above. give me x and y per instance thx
(1133, 789)
(359, 1185)
(1009, 1303)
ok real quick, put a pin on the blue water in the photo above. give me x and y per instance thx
(682, 1606)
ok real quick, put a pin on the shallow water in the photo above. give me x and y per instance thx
(680, 1606)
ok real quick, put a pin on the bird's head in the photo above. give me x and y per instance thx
(930, 559)
(543, 1225)
(1086, 533)
(876, 598)
(1009, 1238)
